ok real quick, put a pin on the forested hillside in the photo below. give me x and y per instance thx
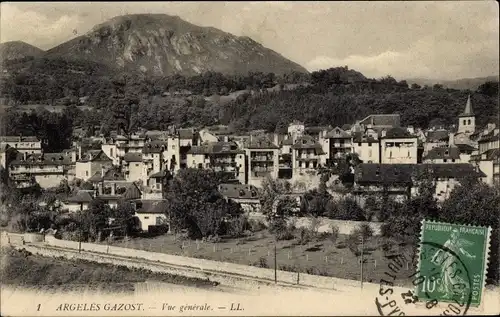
(256, 101)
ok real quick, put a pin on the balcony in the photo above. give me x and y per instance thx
(309, 157)
(261, 158)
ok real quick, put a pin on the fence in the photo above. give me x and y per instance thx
(208, 265)
(345, 226)
(315, 262)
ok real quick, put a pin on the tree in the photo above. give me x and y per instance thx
(406, 217)
(194, 202)
(415, 86)
(476, 203)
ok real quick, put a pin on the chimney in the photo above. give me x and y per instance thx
(103, 171)
(79, 147)
(25, 156)
(73, 156)
(383, 133)
(113, 189)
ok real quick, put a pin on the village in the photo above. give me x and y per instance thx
(137, 167)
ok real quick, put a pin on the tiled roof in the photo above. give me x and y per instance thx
(261, 142)
(360, 137)
(12, 138)
(317, 129)
(392, 120)
(438, 135)
(132, 192)
(154, 147)
(43, 159)
(450, 153)
(489, 137)
(367, 173)
(338, 133)
(151, 206)
(307, 142)
(132, 157)
(216, 147)
(113, 175)
(465, 148)
(239, 191)
(95, 156)
(396, 133)
(82, 196)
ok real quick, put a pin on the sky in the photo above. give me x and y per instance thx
(435, 40)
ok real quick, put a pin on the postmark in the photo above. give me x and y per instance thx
(452, 262)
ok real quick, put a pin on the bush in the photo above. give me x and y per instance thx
(281, 229)
(262, 262)
(306, 235)
(341, 245)
(334, 235)
(256, 225)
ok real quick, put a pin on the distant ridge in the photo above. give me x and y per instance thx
(166, 45)
(461, 84)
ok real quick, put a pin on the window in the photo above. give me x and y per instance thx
(111, 152)
(445, 160)
(468, 122)
(86, 173)
(453, 160)
(136, 164)
(146, 217)
(369, 144)
(465, 122)
(359, 143)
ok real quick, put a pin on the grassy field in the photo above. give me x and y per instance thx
(320, 257)
(21, 268)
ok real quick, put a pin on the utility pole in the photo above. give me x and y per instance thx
(362, 250)
(275, 264)
(80, 235)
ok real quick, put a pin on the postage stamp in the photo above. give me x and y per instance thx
(453, 261)
(447, 273)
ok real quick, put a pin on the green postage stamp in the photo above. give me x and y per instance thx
(453, 262)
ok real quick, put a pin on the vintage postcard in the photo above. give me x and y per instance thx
(265, 158)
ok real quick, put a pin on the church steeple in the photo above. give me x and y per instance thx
(467, 120)
(468, 109)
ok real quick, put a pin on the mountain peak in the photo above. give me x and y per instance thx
(163, 45)
(18, 49)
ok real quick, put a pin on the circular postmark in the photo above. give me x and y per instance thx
(442, 282)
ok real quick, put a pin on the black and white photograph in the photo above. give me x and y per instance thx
(264, 158)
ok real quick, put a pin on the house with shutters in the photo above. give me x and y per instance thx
(221, 157)
(397, 180)
(90, 163)
(262, 160)
(336, 143)
(445, 155)
(398, 146)
(22, 144)
(46, 169)
(80, 201)
(246, 195)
